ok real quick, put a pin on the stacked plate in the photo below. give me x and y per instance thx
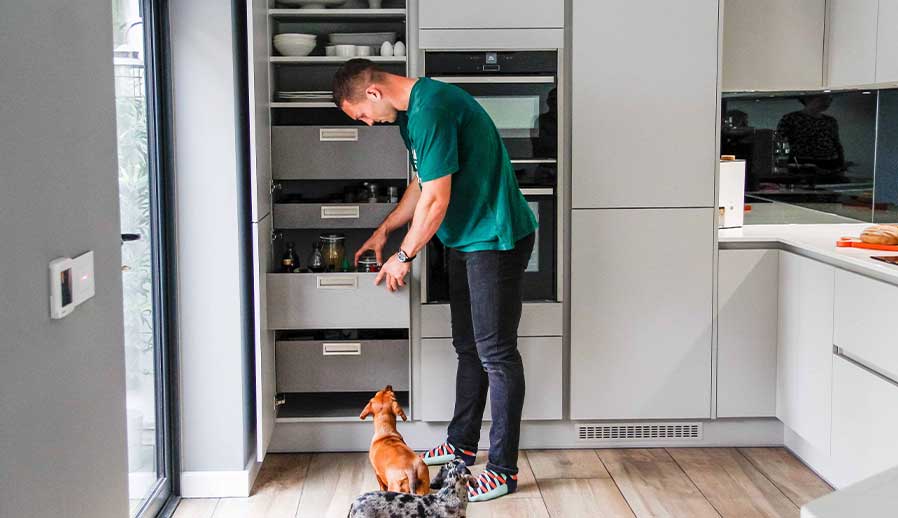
(295, 44)
(307, 96)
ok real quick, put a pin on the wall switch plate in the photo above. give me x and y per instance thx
(71, 283)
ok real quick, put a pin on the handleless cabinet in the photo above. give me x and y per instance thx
(498, 14)
(747, 309)
(851, 42)
(804, 348)
(644, 103)
(641, 313)
(887, 42)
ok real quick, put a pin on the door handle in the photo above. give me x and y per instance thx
(339, 212)
(341, 349)
(338, 134)
(337, 282)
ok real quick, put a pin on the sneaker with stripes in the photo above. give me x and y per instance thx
(445, 452)
(490, 485)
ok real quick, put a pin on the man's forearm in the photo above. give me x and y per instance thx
(404, 211)
(427, 218)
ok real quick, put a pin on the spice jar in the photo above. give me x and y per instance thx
(333, 249)
(368, 262)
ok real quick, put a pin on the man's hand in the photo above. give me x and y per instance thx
(376, 242)
(394, 272)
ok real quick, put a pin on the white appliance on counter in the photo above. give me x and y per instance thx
(731, 194)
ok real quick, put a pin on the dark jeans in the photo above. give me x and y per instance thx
(485, 299)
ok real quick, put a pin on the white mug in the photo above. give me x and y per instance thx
(363, 50)
(346, 51)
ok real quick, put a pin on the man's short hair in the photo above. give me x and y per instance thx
(352, 79)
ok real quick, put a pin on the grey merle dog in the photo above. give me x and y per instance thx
(450, 501)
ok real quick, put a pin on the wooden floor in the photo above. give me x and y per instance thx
(675, 482)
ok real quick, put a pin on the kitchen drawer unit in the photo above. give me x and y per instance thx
(341, 152)
(330, 215)
(342, 366)
(865, 314)
(334, 301)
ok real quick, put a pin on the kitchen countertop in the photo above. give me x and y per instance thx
(814, 241)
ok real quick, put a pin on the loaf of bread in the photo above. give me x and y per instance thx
(880, 235)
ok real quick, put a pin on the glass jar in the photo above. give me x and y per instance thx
(333, 249)
(368, 263)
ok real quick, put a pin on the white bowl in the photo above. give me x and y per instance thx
(288, 36)
(294, 48)
(345, 51)
(313, 4)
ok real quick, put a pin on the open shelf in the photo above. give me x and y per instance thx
(329, 406)
(337, 13)
(324, 60)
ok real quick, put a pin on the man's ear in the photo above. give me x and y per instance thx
(397, 410)
(373, 93)
(365, 412)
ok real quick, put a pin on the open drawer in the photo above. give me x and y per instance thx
(342, 152)
(330, 215)
(342, 366)
(334, 301)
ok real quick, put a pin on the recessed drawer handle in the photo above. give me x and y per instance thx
(338, 134)
(342, 282)
(342, 349)
(340, 212)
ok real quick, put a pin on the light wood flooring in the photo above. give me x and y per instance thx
(674, 482)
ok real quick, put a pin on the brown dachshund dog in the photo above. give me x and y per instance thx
(397, 467)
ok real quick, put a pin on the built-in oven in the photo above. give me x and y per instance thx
(519, 90)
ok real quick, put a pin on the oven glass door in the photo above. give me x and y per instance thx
(540, 273)
(524, 109)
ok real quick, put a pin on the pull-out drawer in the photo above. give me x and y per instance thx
(342, 152)
(542, 372)
(864, 328)
(334, 301)
(341, 366)
(328, 215)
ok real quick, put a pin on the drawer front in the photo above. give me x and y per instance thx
(323, 216)
(865, 312)
(864, 423)
(542, 373)
(312, 366)
(537, 319)
(334, 301)
(350, 152)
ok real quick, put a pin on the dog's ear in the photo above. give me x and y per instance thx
(397, 410)
(365, 412)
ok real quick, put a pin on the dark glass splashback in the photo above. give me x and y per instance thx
(816, 157)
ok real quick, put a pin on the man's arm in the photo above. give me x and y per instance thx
(398, 218)
(428, 215)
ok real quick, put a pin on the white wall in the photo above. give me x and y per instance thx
(62, 384)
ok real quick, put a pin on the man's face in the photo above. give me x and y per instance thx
(370, 110)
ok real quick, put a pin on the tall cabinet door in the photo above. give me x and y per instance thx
(645, 97)
(501, 14)
(887, 42)
(260, 181)
(641, 313)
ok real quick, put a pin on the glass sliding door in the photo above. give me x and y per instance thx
(144, 256)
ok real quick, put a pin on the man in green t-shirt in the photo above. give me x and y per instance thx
(467, 195)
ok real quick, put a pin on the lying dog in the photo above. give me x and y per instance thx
(397, 467)
(451, 501)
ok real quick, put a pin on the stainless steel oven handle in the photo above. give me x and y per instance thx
(495, 79)
(534, 161)
(537, 191)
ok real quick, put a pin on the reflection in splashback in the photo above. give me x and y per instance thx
(818, 157)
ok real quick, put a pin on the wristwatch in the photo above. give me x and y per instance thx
(403, 257)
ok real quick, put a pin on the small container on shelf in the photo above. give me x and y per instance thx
(290, 261)
(333, 249)
(316, 259)
(368, 262)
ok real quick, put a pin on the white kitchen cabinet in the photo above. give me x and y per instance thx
(773, 45)
(851, 42)
(864, 309)
(435, 397)
(644, 103)
(747, 309)
(864, 423)
(499, 14)
(887, 42)
(805, 345)
(641, 313)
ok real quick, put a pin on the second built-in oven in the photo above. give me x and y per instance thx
(519, 90)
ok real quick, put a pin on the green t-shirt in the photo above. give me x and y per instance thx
(448, 132)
